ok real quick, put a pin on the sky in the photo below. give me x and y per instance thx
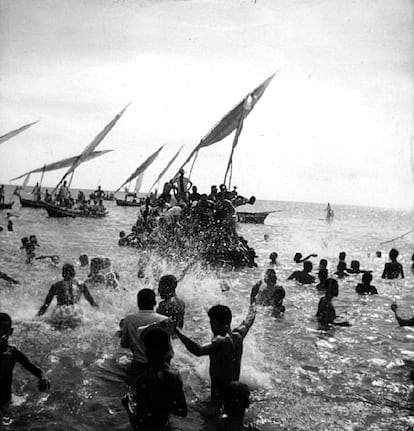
(334, 125)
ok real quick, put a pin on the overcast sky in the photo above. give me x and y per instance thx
(334, 125)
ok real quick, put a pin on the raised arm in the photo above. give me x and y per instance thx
(247, 323)
(48, 300)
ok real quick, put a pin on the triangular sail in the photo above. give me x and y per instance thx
(64, 163)
(138, 183)
(141, 168)
(232, 119)
(167, 167)
(92, 145)
(15, 132)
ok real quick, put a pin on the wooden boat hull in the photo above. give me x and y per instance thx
(6, 206)
(249, 217)
(30, 203)
(56, 211)
(124, 203)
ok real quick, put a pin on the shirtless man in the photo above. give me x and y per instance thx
(304, 276)
(393, 269)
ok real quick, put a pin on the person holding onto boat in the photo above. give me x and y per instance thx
(304, 276)
(63, 194)
(400, 320)
(393, 269)
(9, 356)
(226, 347)
(68, 291)
(326, 313)
(194, 196)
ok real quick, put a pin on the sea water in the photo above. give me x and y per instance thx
(301, 379)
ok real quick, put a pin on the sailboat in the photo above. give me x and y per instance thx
(138, 174)
(60, 164)
(55, 210)
(234, 121)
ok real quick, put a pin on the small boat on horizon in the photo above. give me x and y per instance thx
(6, 205)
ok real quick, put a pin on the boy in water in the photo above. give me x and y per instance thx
(235, 402)
(401, 321)
(366, 288)
(273, 258)
(393, 269)
(67, 291)
(170, 306)
(9, 355)
(341, 270)
(326, 313)
(29, 247)
(272, 294)
(297, 258)
(304, 276)
(226, 347)
(323, 277)
(159, 389)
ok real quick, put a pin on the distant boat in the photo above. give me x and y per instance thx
(31, 203)
(252, 217)
(58, 211)
(6, 206)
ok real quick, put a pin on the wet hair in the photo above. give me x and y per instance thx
(393, 254)
(167, 283)
(270, 276)
(297, 257)
(236, 397)
(366, 277)
(342, 255)
(146, 299)
(156, 343)
(331, 285)
(5, 319)
(68, 271)
(273, 255)
(355, 265)
(307, 266)
(323, 274)
(341, 266)
(221, 313)
(379, 254)
(323, 263)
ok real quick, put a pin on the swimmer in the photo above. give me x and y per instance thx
(272, 294)
(170, 306)
(226, 347)
(67, 291)
(298, 257)
(273, 258)
(326, 313)
(83, 260)
(159, 389)
(393, 269)
(9, 355)
(341, 270)
(355, 268)
(266, 237)
(401, 322)
(304, 276)
(323, 276)
(366, 288)
(29, 247)
(9, 279)
(323, 264)
(235, 402)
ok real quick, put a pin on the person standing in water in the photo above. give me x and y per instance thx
(170, 306)
(67, 291)
(393, 269)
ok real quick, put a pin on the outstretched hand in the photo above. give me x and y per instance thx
(255, 291)
(43, 385)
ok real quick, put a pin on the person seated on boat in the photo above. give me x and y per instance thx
(170, 306)
(159, 389)
(48, 197)
(7, 278)
(213, 194)
(298, 258)
(326, 313)
(401, 321)
(323, 264)
(341, 270)
(273, 258)
(304, 276)
(68, 291)
(81, 197)
(323, 276)
(36, 192)
(235, 402)
(181, 186)
(393, 269)
(194, 196)
(366, 288)
(225, 213)
(2, 194)
(63, 193)
(223, 193)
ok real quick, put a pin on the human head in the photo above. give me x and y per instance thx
(55, 259)
(331, 288)
(223, 187)
(342, 255)
(366, 278)
(33, 239)
(84, 260)
(270, 277)
(156, 344)
(323, 274)
(307, 266)
(323, 263)
(236, 398)
(5, 329)
(273, 256)
(167, 286)
(25, 241)
(122, 234)
(194, 189)
(379, 254)
(355, 265)
(297, 257)
(393, 254)
(341, 266)
(266, 237)
(220, 317)
(146, 299)
(68, 271)
(96, 264)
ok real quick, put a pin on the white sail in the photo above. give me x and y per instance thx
(138, 183)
